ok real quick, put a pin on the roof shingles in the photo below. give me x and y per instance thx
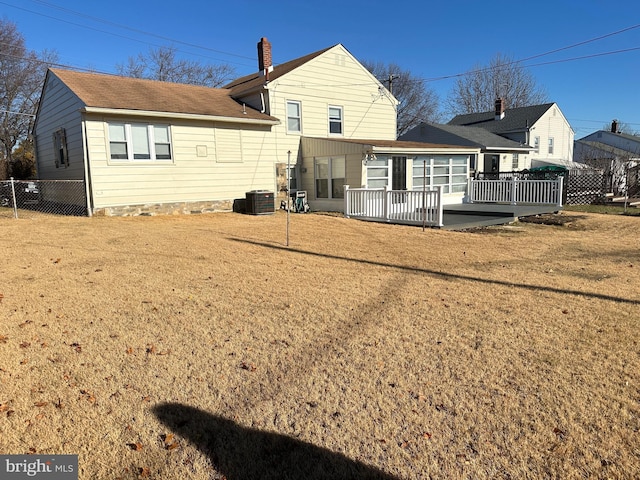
(125, 93)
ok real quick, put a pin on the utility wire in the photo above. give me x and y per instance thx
(123, 36)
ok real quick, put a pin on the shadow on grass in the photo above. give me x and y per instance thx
(242, 453)
(451, 276)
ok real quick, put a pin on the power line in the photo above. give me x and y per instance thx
(124, 36)
(161, 37)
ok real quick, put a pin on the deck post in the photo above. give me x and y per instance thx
(385, 203)
(440, 219)
(346, 201)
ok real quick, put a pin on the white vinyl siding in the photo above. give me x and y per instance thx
(59, 109)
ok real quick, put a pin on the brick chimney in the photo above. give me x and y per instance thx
(614, 126)
(265, 64)
(499, 108)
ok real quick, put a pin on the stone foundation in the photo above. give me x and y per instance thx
(179, 208)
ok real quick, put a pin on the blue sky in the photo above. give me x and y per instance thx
(430, 39)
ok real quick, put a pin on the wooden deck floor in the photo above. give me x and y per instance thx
(472, 215)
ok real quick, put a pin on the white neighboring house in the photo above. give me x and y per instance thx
(497, 154)
(543, 127)
(616, 154)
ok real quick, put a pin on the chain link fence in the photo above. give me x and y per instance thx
(30, 198)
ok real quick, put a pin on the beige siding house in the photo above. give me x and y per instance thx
(147, 147)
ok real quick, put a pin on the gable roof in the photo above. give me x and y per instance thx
(515, 119)
(257, 79)
(111, 92)
(462, 136)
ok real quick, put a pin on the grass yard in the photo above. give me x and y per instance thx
(201, 347)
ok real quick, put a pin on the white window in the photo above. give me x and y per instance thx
(139, 142)
(330, 177)
(536, 144)
(515, 162)
(294, 116)
(60, 148)
(450, 173)
(378, 172)
(550, 145)
(335, 120)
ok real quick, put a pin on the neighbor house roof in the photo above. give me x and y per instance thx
(514, 120)
(609, 149)
(462, 136)
(257, 79)
(111, 92)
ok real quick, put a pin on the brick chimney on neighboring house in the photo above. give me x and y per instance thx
(265, 63)
(499, 108)
(614, 126)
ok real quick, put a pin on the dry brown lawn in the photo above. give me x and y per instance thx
(202, 347)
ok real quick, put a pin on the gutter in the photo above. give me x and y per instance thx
(182, 116)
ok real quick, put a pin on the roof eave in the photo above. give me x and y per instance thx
(422, 150)
(181, 116)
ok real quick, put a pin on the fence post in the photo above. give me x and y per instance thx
(346, 201)
(514, 186)
(560, 189)
(470, 189)
(13, 197)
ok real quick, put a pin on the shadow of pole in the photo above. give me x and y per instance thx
(451, 276)
(244, 454)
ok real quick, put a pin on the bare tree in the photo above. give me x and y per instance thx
(162, 64)
(505, 78)
(417, 102)
(22, 73)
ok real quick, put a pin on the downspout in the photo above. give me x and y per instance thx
(87, 170)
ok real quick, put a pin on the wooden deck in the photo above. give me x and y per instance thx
(472, 215)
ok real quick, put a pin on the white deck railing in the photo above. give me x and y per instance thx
(516, 192)
(412, 207)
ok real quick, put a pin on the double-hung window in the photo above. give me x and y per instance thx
(139, 142)
(550, 145)
(330, 177)
(294, 116)
(536, 144)
(515, 162)
(335, 120)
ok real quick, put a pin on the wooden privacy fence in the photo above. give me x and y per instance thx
(411, 207)
(515, 191)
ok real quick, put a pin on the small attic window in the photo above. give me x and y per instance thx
(60, 148)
